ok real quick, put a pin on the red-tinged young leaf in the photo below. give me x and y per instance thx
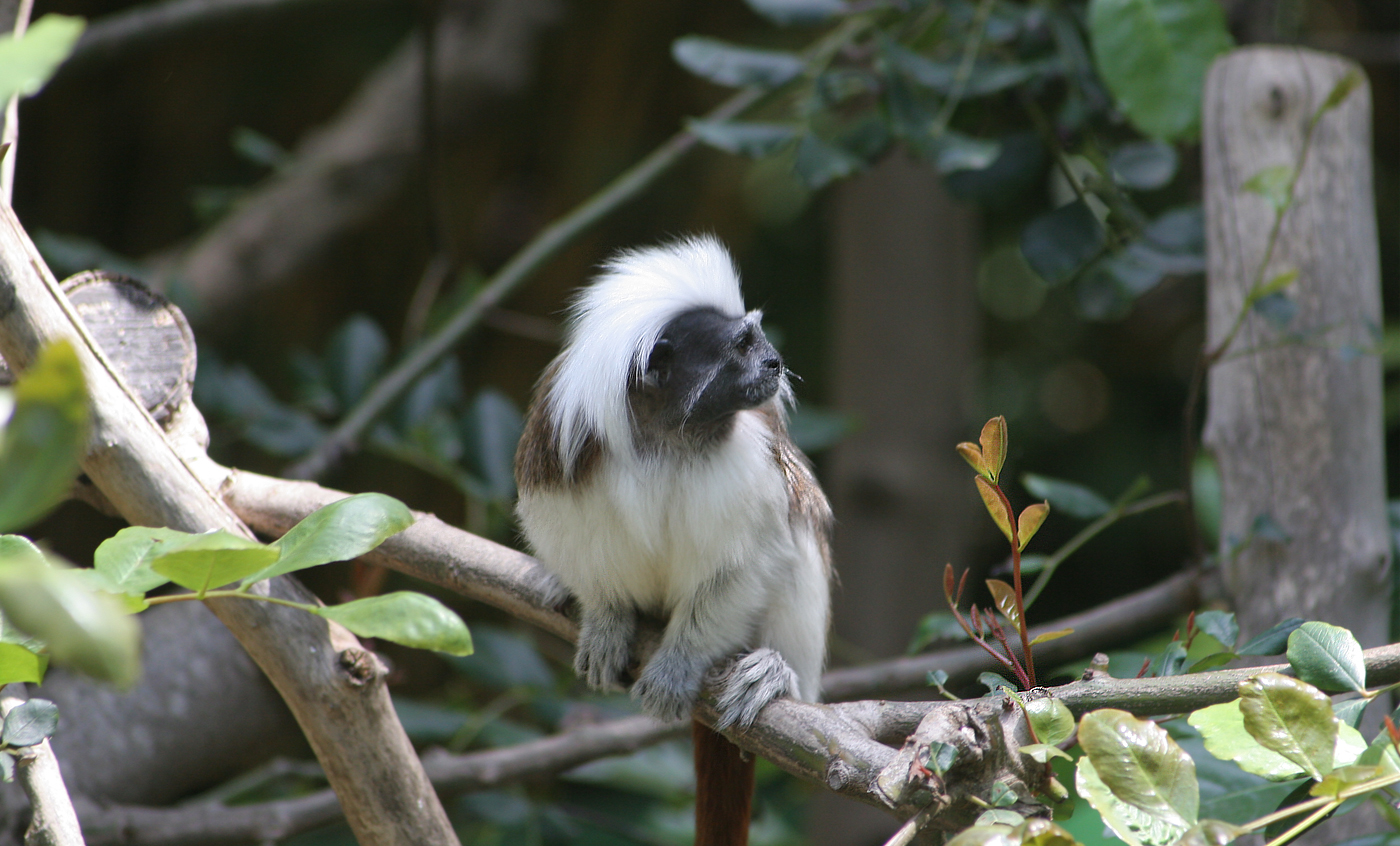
(948, 583)
(993, 440)
(972, 454)
(962, 585)
(1030, 521)
(995, 506)
(1046, 637)
(1394, 732)
(1004, 596)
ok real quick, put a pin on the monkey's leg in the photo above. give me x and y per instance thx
(605, 644)
(713, 622)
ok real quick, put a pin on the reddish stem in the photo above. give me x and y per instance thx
(1016, 584)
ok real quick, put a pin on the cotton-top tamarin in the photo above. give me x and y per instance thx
(656, 476)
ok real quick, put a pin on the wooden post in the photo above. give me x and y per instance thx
(1295, 414)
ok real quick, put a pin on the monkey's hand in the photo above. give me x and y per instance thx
(670, 684)
(743, 686)
(604, 646)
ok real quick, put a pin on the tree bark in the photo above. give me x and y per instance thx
(1295, 412)
(334, 687)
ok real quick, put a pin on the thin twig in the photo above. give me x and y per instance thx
(54, 822)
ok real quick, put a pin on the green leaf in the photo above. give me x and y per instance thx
(1043, 752)
(45, 437)
(1341, 91)
(1130, 823)
(734, 66)
(941, 757)
(405, 617)
(1292, 718)
(1328, 657)
(340, 531)
(1350, 711)
(86, 629)
(18, 664)
(1222, 728)
(937, 625)
(986, 835)
(1153, 55)
(1057, 244)
(1210, 833)
(1140, 763)
(1073, 499)
(1051, 719)
(1274, 183)
(1220, 625)
(1005, 598)
(1143, 165)
(30, 722)
(355, 356)
(491, 429)
(27, 63)
(211, 560)
(7, 768)
(124, 559)
(1273, 641)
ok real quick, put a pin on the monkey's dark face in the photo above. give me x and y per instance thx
(703, 368)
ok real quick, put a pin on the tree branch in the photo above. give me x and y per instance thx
(334, 688)
(212, 823)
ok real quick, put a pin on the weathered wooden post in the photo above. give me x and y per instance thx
(1295, 416)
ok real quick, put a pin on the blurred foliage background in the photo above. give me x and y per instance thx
(1005, 238)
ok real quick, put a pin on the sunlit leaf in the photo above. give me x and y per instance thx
(1130, 823)
(1142, 766)
(18, 664)
(83, 628)
(28, 62)
(1292, 718)
(45, 437)
(125, 559)
(343, 530)
(1328, 657)
(211, 560)
(1051, 719)
(995, 506)
(1046, 637)
(405, 617)
(993, 440)
(972, 454)
(1043, 752)
(1210, 833)
(1030, 521)
(1005, 598)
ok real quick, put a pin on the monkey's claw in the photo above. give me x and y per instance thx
(748, 683)
(668, 687)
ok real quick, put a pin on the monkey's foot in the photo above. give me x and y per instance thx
(748, 683)
(604, 649)
(669, 686)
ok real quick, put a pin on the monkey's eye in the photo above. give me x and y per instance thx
(746, 341)
(661, 356)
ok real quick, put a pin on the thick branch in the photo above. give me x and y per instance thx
(333, 687)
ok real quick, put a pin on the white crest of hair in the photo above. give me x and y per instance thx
(627, 307)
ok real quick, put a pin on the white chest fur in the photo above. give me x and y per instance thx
(650, 531)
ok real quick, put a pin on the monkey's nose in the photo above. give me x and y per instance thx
(773, 364)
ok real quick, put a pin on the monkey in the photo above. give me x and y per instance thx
(656, 476)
